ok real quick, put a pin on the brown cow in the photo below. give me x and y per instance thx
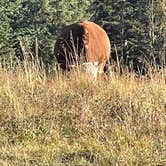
(83, 42)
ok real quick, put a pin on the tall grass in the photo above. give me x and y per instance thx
(72, 120)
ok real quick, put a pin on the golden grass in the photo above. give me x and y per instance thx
(71, 120)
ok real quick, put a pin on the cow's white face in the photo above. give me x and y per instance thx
(91, 68)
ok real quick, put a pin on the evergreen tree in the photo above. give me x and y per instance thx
(157, 33)
(134, 30)
(37, 24)
(29, 26)
(66, 12)
(100, 11)
(6, 10)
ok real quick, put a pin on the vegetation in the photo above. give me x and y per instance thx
(50, 118)
(70, 120)
(136, 28)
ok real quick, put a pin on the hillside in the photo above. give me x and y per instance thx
(70, 120)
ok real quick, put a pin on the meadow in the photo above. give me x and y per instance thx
(59, 120)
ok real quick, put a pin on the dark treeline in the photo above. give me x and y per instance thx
(136, 28)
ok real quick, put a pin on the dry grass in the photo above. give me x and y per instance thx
(70, 120)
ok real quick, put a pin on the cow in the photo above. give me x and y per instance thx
(85, 43)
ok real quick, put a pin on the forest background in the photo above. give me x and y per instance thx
(136, 28)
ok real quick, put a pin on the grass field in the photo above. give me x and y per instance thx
(69, 120)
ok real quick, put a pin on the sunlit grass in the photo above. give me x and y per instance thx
(72, 120)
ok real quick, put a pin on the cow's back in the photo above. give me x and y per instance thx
(97, 42)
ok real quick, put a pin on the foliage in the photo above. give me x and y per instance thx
(32, 26)
(70, 120)
(6, 9)
(136, 28)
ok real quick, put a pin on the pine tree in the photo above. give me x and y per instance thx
(136, 28)
(36, 24)
(159, 28)
(6, 10)
(66, 12)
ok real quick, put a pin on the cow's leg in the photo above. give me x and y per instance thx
(91, 68)
(94, 69)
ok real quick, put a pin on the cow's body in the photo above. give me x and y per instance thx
(83, 42)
